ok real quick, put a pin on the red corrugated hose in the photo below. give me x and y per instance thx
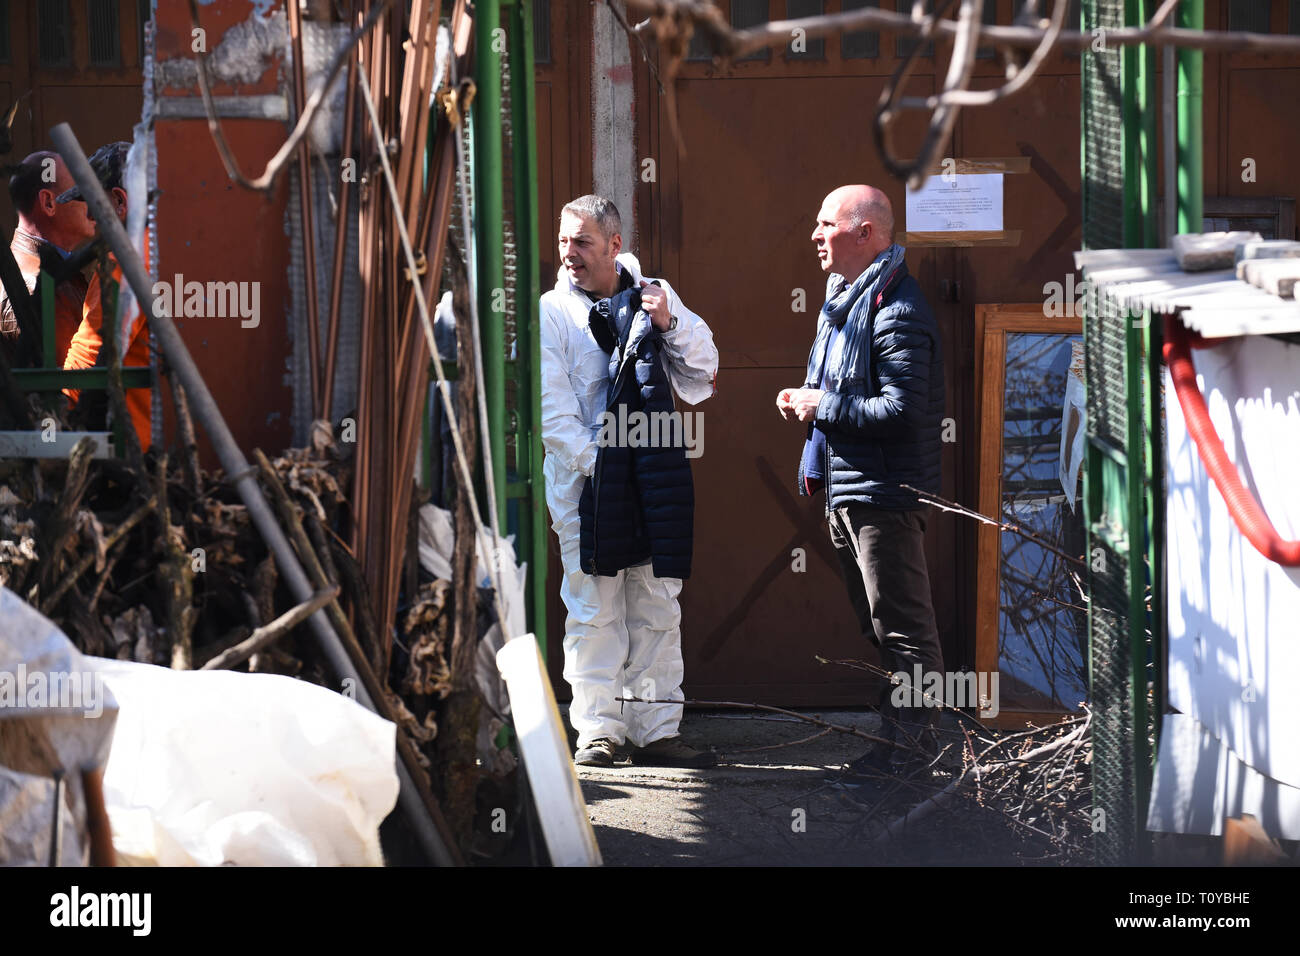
(1245, 510)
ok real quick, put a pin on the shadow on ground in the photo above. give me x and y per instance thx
(773, 807)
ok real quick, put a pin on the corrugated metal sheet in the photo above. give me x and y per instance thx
(1217, 304)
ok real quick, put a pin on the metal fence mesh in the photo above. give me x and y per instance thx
(1111, 668)
(1114, 777)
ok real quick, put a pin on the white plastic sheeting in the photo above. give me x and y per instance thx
(218, 767)
(56, 715)
(202, 767)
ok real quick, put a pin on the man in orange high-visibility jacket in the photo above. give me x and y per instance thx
(109, 162)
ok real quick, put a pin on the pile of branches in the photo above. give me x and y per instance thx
(1023, 797)
(162, 565)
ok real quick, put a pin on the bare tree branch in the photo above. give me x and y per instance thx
(674, 22)
(729, 44)
(266, 181)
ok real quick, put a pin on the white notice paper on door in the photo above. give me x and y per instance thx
(959, 203)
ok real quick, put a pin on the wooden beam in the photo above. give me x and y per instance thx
(959, 240)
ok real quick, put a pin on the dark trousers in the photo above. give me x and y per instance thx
(882, 556)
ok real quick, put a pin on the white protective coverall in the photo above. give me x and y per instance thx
(622, 635)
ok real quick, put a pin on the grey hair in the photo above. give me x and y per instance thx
(598, 209)
(877, 213)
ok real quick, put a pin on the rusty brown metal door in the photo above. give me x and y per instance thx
(729, 223)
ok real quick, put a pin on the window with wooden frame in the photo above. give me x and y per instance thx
(805, 47)
(144, 13)
(53, 33)
(1273, 217)
(104, 31)
(859, 44)
(4, 31)
(1031, 622)
(541, 31)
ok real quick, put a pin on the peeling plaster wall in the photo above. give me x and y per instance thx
(249, 49)
(244, 54)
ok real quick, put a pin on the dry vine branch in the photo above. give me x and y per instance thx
(1018, 80)
(621, 17)
(951, 791)
(675, 21)
(930, 699)
(943, 504)
(729, 44)
(788, 743)
(734, 705)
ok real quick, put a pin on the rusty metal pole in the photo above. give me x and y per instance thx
(340, 249)
(305, 209)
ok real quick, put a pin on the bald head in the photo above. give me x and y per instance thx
(854, 226)
(34, 189)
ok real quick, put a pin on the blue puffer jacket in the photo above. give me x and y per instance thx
(639, 502)
(883, 423)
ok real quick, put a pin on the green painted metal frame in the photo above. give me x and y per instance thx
(54, 379)
(523, 483)
(1123, 489)
(489, 233)
(533, 519)
(1190, 65)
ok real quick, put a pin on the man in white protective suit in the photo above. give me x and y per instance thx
(622, 635)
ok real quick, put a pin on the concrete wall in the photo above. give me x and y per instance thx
(613, 113)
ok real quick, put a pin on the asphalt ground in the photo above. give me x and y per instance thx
(773, 807)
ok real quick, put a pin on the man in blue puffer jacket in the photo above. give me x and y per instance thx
(873, 400)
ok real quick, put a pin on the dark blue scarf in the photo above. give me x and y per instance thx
(843, 300)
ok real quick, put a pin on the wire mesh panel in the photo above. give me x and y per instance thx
(1111, 660)
(1112, 533)
(511, 259)
(1103, 130)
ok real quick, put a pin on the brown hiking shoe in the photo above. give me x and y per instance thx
(598, 753)
(673, 752)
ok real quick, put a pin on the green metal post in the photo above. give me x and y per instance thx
(45, 286)
(1139, 135)
(533, 519)
(1190, 16)
(1140, 231)
(489, 216)
(1119, 170)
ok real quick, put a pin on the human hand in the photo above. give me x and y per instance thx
(783, 402)
(654, 301)
(804, 401)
